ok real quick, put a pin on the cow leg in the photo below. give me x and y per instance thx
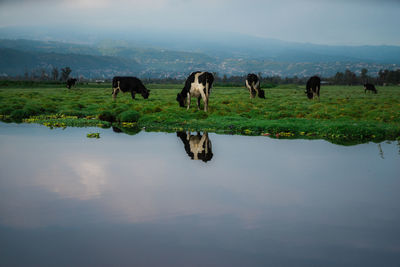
(188, 101)
(248, 87)
(205, 104)
(253, 92)
(198, 103)
(115, 92)
(205, 100)
(133, 94)
(256, 87)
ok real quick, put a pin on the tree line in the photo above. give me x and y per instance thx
(43, 74)
(384, 77)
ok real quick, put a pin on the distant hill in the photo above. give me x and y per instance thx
(48, 47)
(16, 62)
(215, 44)
(108, 58)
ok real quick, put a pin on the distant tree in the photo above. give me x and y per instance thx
(216, 77)
(35, 74)
(393, 77)
(338, 78)
(382, 76)
(26, 75)
(295, 79)
(350, 77)
(43, 74)
(54, 74)
(65, 73)
(364, 76)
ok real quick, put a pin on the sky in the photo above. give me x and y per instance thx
(352, 22)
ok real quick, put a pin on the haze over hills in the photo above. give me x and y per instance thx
(162, 54)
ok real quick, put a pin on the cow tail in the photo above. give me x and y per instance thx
(206, 86)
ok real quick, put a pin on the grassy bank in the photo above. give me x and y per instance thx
(344, 114)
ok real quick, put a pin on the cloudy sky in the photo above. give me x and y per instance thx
(352, 22)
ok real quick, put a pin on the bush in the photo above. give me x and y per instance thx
(129, 116)
(49, 108)
(6, 111)
(127, 130)
(107, 116)
(19, 114)
(32, 110)
(120, 109)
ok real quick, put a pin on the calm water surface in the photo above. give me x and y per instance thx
(157, 199)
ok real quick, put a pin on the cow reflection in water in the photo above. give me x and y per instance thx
(197, 146)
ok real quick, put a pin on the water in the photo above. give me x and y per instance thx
(141, 200)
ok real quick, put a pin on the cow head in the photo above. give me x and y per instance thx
(261, 93)
(181, 100)
(309, 93)
(145, 93)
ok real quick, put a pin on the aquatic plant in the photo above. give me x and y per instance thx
(107, 116)
(129, 116)
(93, 135)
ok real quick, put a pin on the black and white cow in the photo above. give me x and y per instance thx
(253, 85)
(71, 82)
(370, 87)
(129, 84)
(313, 86)
(198, 147)
(199, 85)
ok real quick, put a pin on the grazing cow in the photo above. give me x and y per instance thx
(253, 85)
(71, 82)
(313, 87)
(370, 87)
(198, 84)
(198, 147)
(129, 84)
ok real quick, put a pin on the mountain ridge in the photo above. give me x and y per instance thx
(112, 57)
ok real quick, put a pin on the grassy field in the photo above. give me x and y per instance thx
(344, 114)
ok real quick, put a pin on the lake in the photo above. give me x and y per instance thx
(174, 199)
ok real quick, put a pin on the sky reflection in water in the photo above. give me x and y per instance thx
(141, 200)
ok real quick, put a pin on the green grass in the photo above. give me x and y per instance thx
(344, 114)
